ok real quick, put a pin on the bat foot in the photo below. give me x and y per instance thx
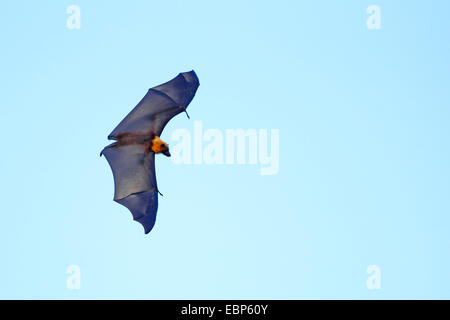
(187, 114)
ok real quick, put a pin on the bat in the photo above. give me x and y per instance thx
(137, 140)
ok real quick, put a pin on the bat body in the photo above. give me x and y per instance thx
(137, 140)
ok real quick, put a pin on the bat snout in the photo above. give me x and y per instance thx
(166, 153)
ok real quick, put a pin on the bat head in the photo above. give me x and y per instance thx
(159, 146)
(165, 150)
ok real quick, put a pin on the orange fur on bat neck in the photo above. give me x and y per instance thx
(158, 145)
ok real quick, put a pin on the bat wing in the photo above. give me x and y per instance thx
(159, 105)
(132, 164)
(135, 181)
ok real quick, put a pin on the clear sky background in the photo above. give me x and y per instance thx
(364, 175)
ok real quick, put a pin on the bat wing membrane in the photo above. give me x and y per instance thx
(159, 105)
(135, 181)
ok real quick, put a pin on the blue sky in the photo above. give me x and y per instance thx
(363, 176)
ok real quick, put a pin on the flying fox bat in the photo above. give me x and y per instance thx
(132, 155)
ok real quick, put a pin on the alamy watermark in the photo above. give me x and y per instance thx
(373, 282)
(229, 146)
(73, 282)
(74, 20)
(374, 20)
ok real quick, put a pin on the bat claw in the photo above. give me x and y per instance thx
(160, 193)
(111, 145)
(187, 113)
